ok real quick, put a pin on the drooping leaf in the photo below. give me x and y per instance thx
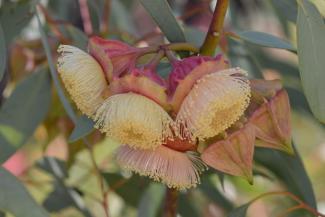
(22, 112)
(161, 12)
(14, 16)
(15, 199)
(311, 49)
(289, 170)
(151, 200)
(83, 127)
(3, 53)
(265, 39)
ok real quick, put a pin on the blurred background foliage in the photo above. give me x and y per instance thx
(51, 157)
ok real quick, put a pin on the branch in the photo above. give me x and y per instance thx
(170, 209)
(215, 29)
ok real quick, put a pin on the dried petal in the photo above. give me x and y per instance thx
(135, 120)
(233, 155)
(216, 101)
(272, 123)
(83, 77)
(175, 169)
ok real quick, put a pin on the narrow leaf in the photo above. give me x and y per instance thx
(83, 127)
(22, 112)
(311, 50)
(3, 53)
(161, 12)
(266, 40)
(15, 199)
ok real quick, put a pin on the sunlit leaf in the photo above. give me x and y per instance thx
(163, 16)
(265, 39)
(22, 112)
(15, 199)
(311, 49)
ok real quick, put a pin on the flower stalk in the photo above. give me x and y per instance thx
(170, 209)
(215, 29)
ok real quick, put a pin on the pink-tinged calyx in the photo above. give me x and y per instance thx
(185, 74)
(233, 155)
(272, 123)
(114, 56)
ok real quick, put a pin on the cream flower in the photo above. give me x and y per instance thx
(215, 102)
(83, 78)
(176, 169)
(135, 120)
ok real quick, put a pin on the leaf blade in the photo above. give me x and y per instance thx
(3, 53)
(161, 12)
(311, 49)
(15, 199)
(17, 122)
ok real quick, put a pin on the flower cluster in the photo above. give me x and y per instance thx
(203, 113)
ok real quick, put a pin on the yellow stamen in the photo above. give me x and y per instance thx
(83, 77)
(135, 120)
(216, 101)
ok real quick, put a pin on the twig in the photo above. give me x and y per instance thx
(171, 198)
(215, 29)
(85, 16)
(105, 18)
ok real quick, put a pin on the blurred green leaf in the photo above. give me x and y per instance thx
(194, 36)
(67, 106)
(289, 170)
(163, 16)
(120, 17)
(79, 39)
(239, 211)
(3, 53)
(22, 112)
(62, 197)
(15, 199)
(151, 200)
(83, 127)
(311, 50)
(130, 189)
(14, 16)
(287, 7)
(186, 206)
(53, 166)
(266, 40)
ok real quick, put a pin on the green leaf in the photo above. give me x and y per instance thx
(79, 39)
(3, 53)
(14, 16)
(53, 166)
(287, 7)
(239, 211)
(266, 40)
(15, 199)
(151, 200)
(163, 16)
(311, 51)
(289, 170)
(62, 197)
(22, 112)
(83, 127)
(121, 18)
(130, 189)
